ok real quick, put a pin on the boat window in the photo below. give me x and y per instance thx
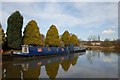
(57, 49)
(49, 49)
(39, 49)
(62, 49)
(25, 49)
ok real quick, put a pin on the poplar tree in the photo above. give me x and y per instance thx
(52, 37)
(65, 38)
(74, 40)
(32, 34)
(14, 30)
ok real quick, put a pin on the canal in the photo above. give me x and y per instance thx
(89, 64)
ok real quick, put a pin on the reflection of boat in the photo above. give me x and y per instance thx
(31, 68)
(43, 61)
(78, 49)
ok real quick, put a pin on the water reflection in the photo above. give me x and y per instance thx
(91, 55)
(66, 65)
(31, 72)
(52, 70)
(18, 68)
(11, 71)
(74, 61)
(90, 64)
(107, 53)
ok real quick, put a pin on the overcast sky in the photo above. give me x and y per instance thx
(81, 18)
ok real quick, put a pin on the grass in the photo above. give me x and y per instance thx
(9, 51)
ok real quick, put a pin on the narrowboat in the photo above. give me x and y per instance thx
(39, 50)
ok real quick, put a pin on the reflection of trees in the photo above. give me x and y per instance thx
(92, 55)
(52, 70)
(74, 61)
(98, 54)
(32, 72)
(66, 65)
(107, 53)
(12, 71)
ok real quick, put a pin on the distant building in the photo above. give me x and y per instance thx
(98, 37)
(96, 43)
(94, 38)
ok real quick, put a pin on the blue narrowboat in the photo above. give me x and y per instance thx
(38, 50)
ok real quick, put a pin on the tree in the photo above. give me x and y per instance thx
(52, 37)
(14, 30)
(93, 38)
(66, 38)
(2, 36)
(98, 37)
(32, 34)
(106, 43)
(74, 40)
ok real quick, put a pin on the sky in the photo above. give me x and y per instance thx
(80, 18)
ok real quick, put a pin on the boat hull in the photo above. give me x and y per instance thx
(41, 51)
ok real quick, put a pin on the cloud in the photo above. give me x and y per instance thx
(75, 16)
(0, 12)
(88, 14)
(60, 1)
(98, 13)
(49, 13)
(108, 31)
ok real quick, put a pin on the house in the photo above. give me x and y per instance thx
(95, 43)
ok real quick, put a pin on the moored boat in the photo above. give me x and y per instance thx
(40, 51)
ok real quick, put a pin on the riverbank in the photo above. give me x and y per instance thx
(110, 49)
(9, 51)
(113, 49)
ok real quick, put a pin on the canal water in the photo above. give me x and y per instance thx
(89, 64)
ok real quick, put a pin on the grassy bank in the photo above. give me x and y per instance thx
(113, 48)
(9, 51)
